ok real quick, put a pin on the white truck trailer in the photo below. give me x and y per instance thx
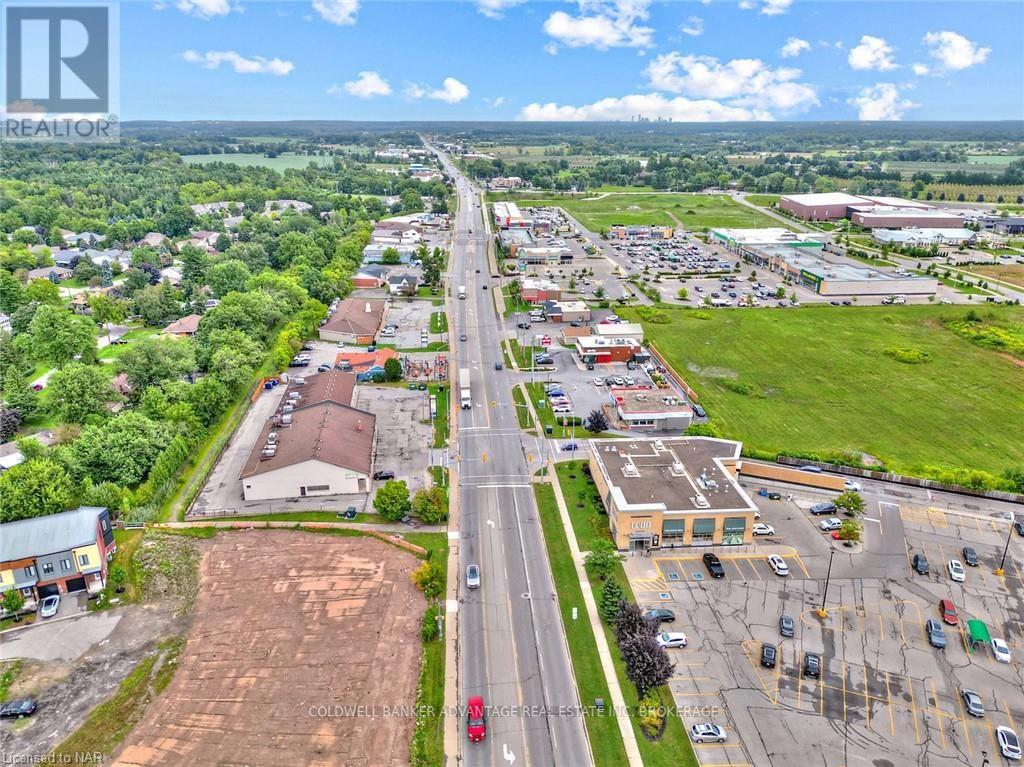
(465, 400)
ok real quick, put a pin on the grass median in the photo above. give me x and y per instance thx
(522, 410)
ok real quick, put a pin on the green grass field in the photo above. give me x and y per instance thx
(694, 211)
(817, 379)
(280, 163)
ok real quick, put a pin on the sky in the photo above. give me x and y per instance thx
(691, 61)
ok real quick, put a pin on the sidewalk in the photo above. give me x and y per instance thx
(618, 702)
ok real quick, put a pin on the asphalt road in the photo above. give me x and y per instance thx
(512, 647)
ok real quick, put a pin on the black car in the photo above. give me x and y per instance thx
(660, 615)
(523, 325)
(820, 509)
(769, 655)
(383, 475)
(714, 565)
(698, 410)
(16, 709)
(970, 556)
(786, 626)
(1019, 524)
(920, 564)
(812, 664)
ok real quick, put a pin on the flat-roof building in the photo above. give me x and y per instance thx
(640, 232)
(550, 255)
(633, 330)
(508, 216)
(883, 217)
(538, 291)
(672, 492)
(923, 237)
(776, 235)
(601, 351)
(829, 278)
(827, 206)
(356, 320)
(567, 311)
(645, 409)
(513, 239)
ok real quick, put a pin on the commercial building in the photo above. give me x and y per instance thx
(508, 216)
(505, 182)
(644, 409)
(366, 366)
(538, 291)
(601, 351)
(631, 330)
(828, 278)
(514, 239)
(736, 239)
(827, 206)
(567, 311)
(356, 320)
(883, 217)
(549, 255)
(56, 554)
(640, 232)
(923, 237)
(672, 492)
(396, 233)
(374, 252)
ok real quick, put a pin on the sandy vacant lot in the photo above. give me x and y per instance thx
(287, 624)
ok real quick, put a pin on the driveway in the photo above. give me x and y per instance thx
(59, 639)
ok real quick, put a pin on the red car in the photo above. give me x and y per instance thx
(948, 611)
(476, 719)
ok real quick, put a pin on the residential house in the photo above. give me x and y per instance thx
(186, 327)
(396, 233)
(57, 554)
(370, 277)
(356, 320)
(153, 240)
(172, 274)
(279, 206)
(82, 239)
(206, 208)
(367, 366)
(51, 273)
(232, 222)
(403, 284)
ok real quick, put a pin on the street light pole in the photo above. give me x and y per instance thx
(822, 612)
(1002, 562)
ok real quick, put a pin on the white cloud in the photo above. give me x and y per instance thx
(252, 65)
(872, 53)
(414, 91)
(341, 12)
(921, 69)
(451, 92)
(794, 47)
(954, 51)
(602, 24)
(881, 102)
(494, 103)
(694, 26)
(495, 9)
(745, 82)
(204, 9)
(648, 106)
(766, 7)
(366, 86)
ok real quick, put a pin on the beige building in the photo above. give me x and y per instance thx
(672, 492)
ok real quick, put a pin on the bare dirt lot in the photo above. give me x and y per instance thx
(289, 627)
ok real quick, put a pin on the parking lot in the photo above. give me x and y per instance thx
(410, 316)
(884, 695)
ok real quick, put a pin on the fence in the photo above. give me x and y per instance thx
(671, 373)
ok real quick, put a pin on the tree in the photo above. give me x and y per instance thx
(34, 488)
(612, 598)
(601, 560)
(228, 276)
(58, 336)
(630, 622)
(10, 421)
(647, 665)
(429, 505)
(13, 602)
(391, 256)
(597, 421)
(77, 391)
(392, 370)
(120, 450)
(209, 398)
(851, 502)
(682, 294)
(12, 294)
(429, 580)
(851, 530)
(107, 310)
(19, 396)
(411, 202)
(43, 292)
(158, 304)
(392, 500)
(151, 361)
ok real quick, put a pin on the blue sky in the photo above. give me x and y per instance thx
(595, 59)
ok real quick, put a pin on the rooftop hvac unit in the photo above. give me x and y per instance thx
(678, 470)
(701, 502)
(659, 445)
(641, 396)
(630, 470)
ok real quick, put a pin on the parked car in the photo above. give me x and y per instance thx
(970, 556)
(705, 732)
(1000, 650)
(1009, 743)
(714, 565)
(476, 719)
(18, 709)
(384, 474)
(473, 577)
(821, 509)
(948, 612)
(920, 564)
(812, 665)
(769, 655)
(671, 639)
(660, 615)
(972, 702)
(956, 571)
(787, 627)
(778, 565)
(936, 634)
(760, 528)
(324, 367)
(832, 523)
(1019, 526)
(49, 606)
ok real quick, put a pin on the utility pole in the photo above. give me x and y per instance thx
(1002, 562)
(822, 612)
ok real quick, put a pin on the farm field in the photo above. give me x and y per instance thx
(693, 211)
(991, 194)
(282, 162)
(1012, 273)
(908, 168)
(819, 379)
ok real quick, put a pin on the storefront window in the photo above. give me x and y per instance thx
(733, 531)
(673, 531)
(703, 532)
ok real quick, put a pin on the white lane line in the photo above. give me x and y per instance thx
(500, 486)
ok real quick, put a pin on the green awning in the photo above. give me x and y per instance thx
(978, 632)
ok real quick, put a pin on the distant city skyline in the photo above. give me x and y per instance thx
(707, 60)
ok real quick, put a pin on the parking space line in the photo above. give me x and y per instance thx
(938, 713)
(967, 731)
(892, 718)
(800, 562)
(821, 696)
(843, 664)
(1009, 716)
(913, 707)
(867, 694)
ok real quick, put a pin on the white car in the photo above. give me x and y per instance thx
(1000, 650)
(778, 565)
(1009, 743)
(705, 732)
(598, 382)
(671, 639)
(832, 523)
(49, 606)
(849, 484)
(762, 529)
(956, 571)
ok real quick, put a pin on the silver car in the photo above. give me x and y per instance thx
(972, 702)
(49, 606)
(473, 577)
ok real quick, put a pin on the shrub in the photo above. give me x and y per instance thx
(428, 579)
(612, 600)
(906, 356)
(429, 630)
(651, 713)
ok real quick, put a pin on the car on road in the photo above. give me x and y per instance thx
(956, 570)
(476, 719)
(760, 528)
(920, 564)
(714, 565)
(787, 627)
(778, 565)
(972, 702)
(49, 606)
(384, 474)
(769, 655)
(970, 556)
(705, 732)
(570, 447)
(947, 610)
(698, 410)
(463, 337)
(821, 509)
(473, 577)
(936, 634)
(810, 468)
(812, 665)
(660, 615)
(523, 325)
(324, 367)
(832, 523)
(671, 639)
(1009, 743)
(849, 484)
(1000, 650)
(18, 709)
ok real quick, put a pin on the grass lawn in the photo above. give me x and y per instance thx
(127, 544)
(763, 200)
(439, 321)
(113, 351)
(522, 411)
(602, 730)
(694, 211)
(8, 673)
(282, 162)
(554, 420)
(524, 354)
(817, 379)
(441, 429)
